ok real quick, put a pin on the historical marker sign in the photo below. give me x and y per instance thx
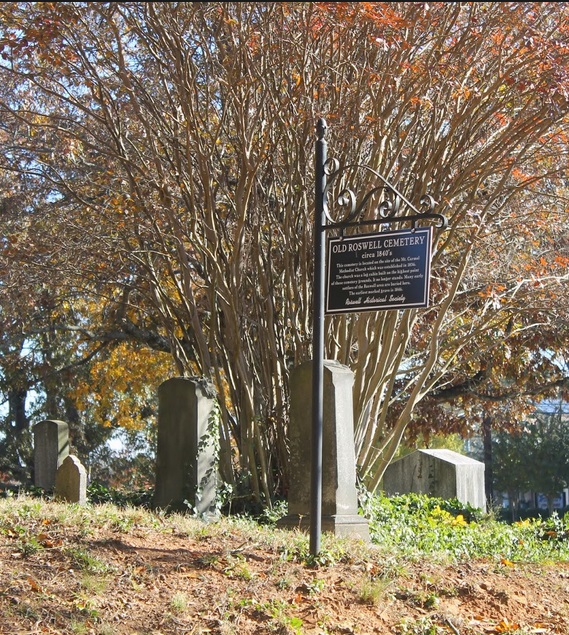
(373, 272)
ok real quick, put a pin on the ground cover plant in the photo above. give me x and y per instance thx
(419, 524)
(433, 568)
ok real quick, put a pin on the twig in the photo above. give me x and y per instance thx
(452, 626)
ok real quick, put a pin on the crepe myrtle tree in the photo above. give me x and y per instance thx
(168, 150)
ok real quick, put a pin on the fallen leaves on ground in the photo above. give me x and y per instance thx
(219, 579)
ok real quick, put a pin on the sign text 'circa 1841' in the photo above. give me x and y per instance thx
(372, 272)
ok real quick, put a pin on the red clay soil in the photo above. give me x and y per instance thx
(157, 581)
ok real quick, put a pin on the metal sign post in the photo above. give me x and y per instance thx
(354, 285)
(318, 342)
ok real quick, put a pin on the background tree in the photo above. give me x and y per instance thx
(510, 474)
(535, 458)
(47, 372)
(166, 151)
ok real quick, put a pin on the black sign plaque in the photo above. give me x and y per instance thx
(373, 272)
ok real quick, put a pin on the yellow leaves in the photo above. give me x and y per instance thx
(121, 384)
(441, 516)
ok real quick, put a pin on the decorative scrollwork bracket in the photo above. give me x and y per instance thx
(388, 211)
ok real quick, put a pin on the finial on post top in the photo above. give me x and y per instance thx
(321, 128)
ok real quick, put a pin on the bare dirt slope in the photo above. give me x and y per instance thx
(129, 579)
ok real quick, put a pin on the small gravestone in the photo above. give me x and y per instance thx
(440, 473)
(51, 446)
(71, 481)
(186, 453)
(339, 493)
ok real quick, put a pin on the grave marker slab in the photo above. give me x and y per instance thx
(441, 473)
(51, 446)
(339, 494)
(186, 461)
(71, 481)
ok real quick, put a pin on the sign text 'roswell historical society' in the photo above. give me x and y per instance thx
(371, 272)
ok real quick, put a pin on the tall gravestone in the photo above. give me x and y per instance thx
(51, 446)
(71, 481)
(188, 436)
(339, 493)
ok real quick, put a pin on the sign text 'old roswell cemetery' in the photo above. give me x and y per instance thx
(386, 270)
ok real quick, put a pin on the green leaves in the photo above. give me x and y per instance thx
(416, 525)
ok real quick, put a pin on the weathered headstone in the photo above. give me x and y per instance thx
(188, 438)
(339, 493)
(51, 446)
(71, 481)
(441, 473)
